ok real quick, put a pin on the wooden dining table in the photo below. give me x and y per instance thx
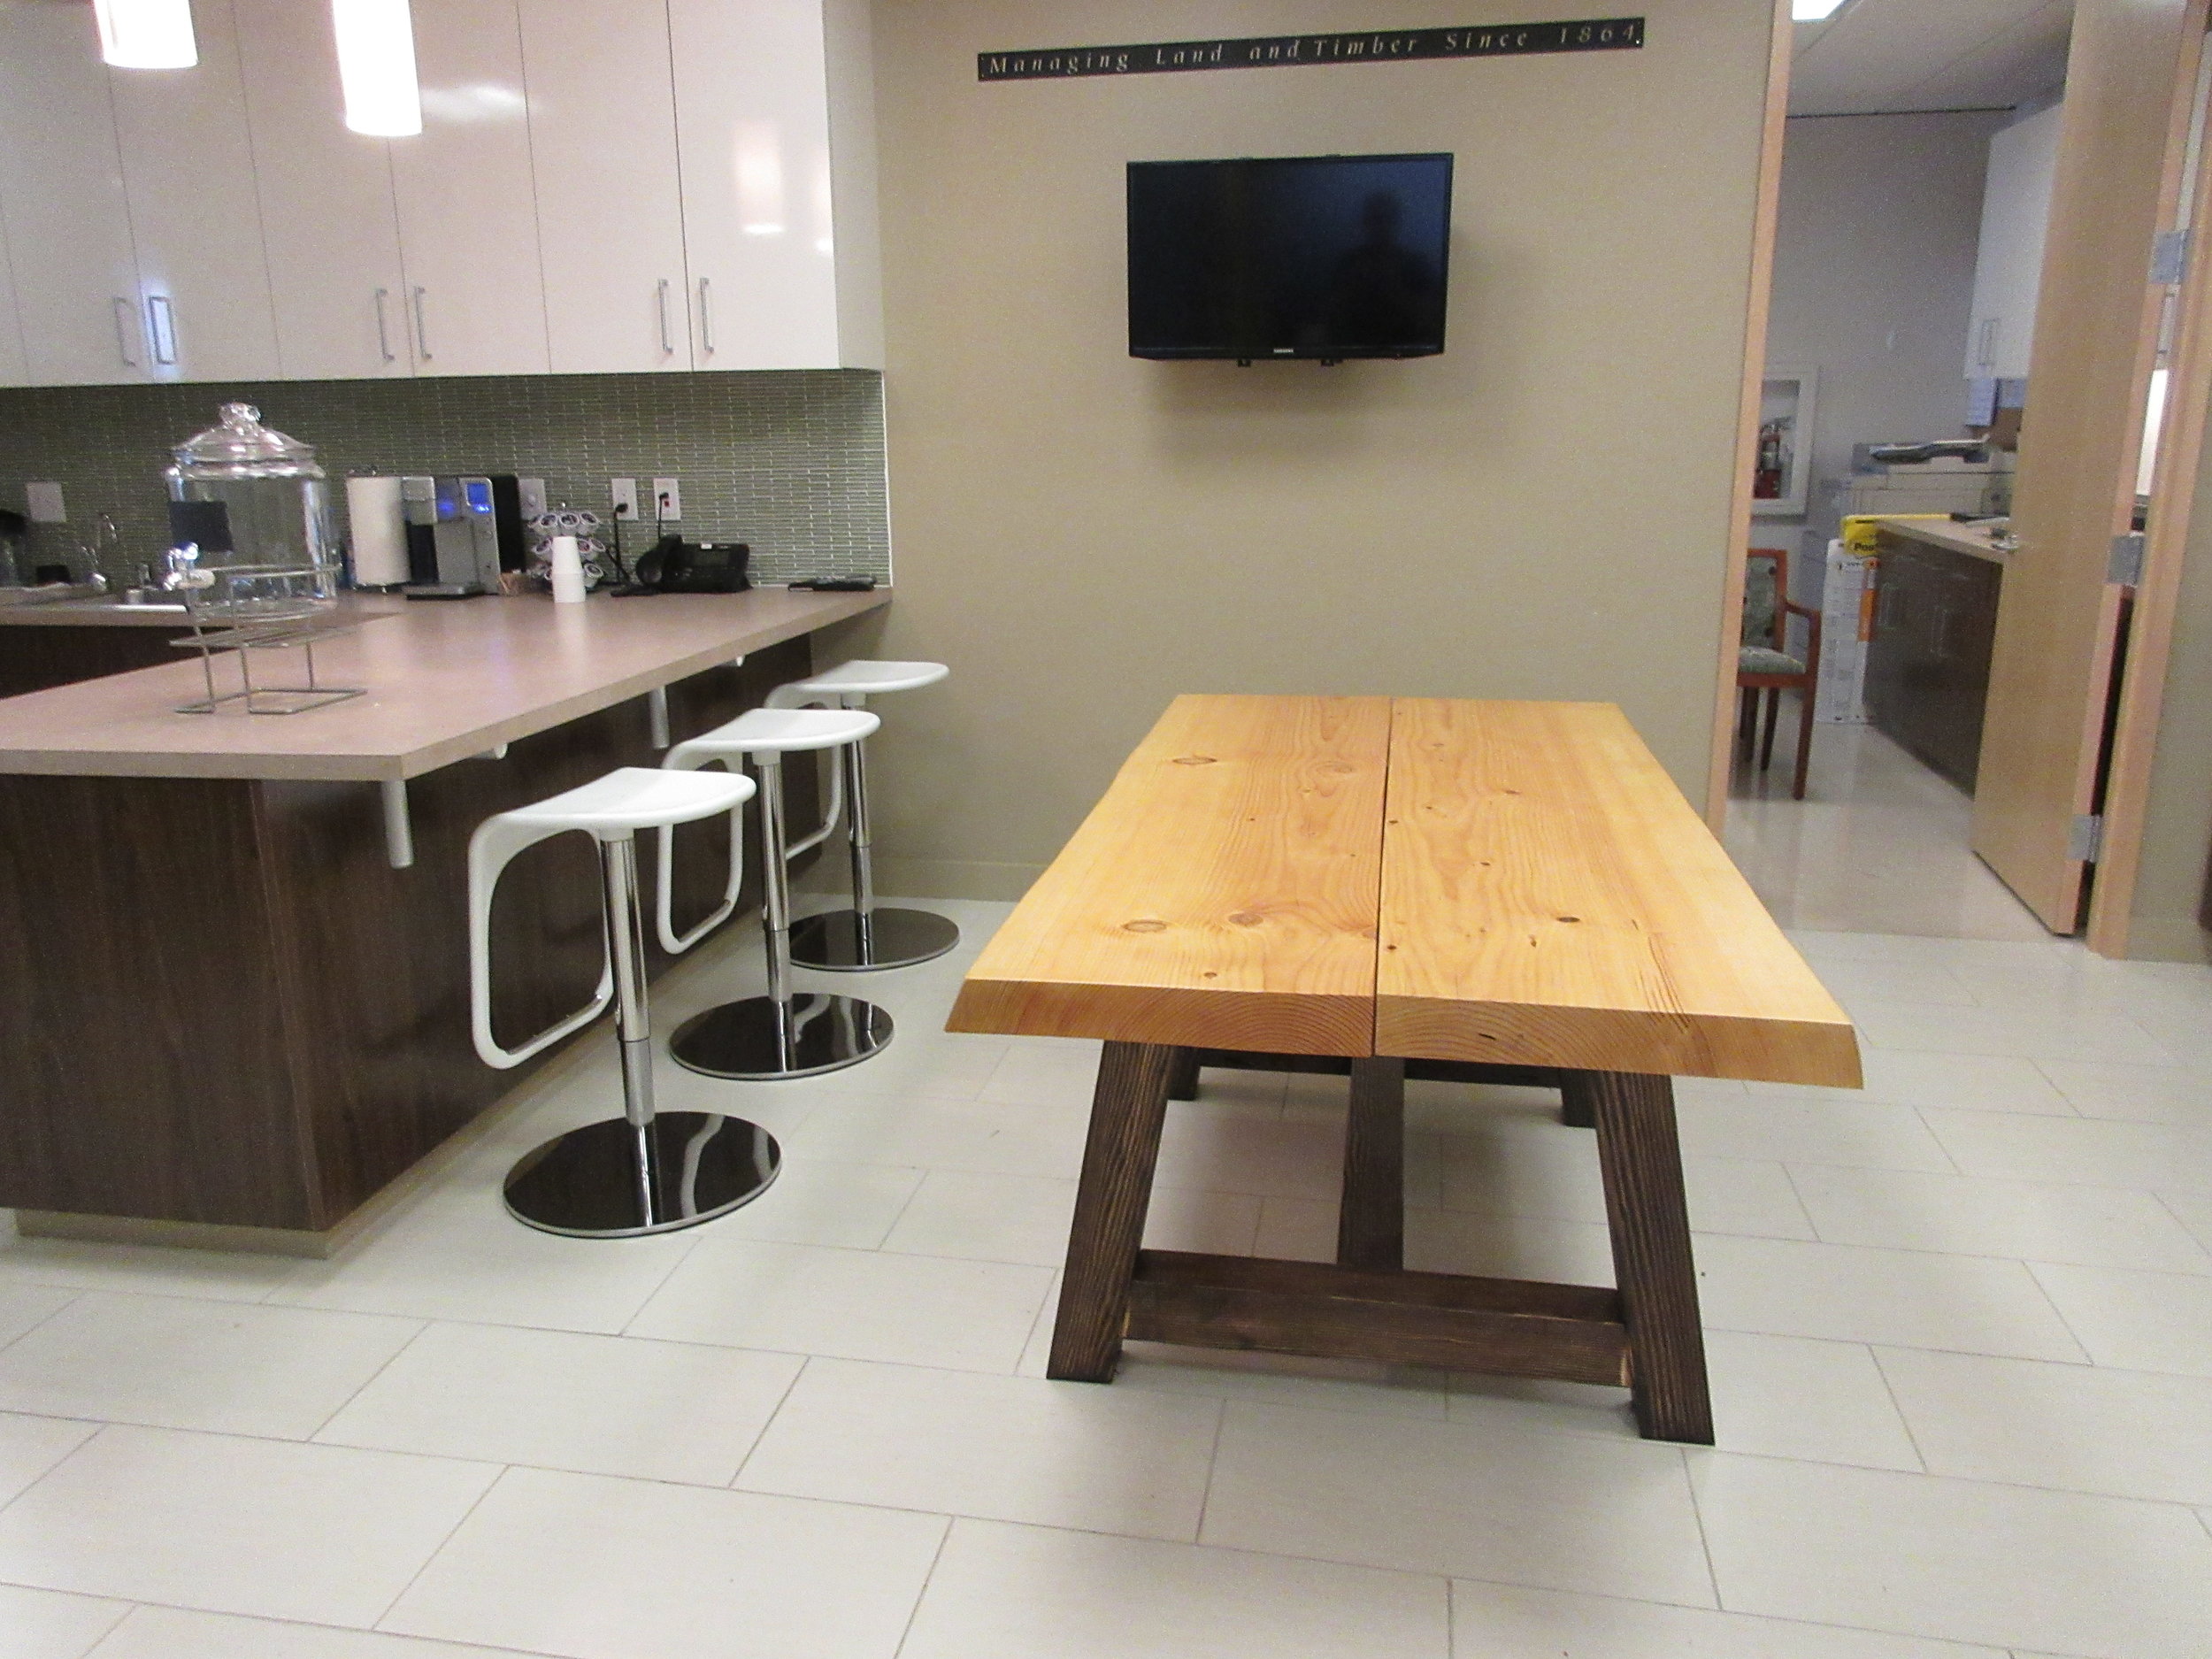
(1481, 892)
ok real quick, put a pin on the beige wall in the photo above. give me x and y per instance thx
(1540, 512)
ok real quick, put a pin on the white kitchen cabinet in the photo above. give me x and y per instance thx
(2008, 265)
(63, 201)
(778, 182)
(603, 145)
(468, 219)
(195, 220)
(326, 193)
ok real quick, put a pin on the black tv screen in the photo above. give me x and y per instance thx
(1324, 256)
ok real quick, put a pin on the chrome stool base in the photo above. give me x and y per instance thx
(760, 1040)
(586, 1184)
(893, 938)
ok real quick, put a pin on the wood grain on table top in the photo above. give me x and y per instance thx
(1535, 892)
(444, 680)
(1222, 892)
(1549, 898)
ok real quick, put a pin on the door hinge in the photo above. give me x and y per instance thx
(2125, 566)
(2085, 838)
(2170, 257)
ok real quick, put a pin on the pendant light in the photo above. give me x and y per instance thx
(146, 33)
(376, 67)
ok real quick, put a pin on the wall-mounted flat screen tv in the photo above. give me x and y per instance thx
(1323, 256)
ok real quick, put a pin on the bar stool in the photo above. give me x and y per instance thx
(640, 1172)
(866, 934)
(782, 1034)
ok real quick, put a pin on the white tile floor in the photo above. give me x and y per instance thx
(1960, 1331)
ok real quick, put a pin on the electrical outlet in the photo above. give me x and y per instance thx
(668, 499)
(624, 498)
(530, 497)
(45, 505)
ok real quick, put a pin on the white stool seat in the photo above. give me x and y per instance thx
(632, 798)
(774, 732)
(861, 678)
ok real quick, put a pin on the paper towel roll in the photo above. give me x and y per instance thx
(568, 571)
(378, 532)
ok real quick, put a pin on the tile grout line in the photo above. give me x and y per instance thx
(768, 1423)
(439, 1548)
(1889, 1388)
(421, 1330)
(906, 1632)
(1697, 1514)
(1213, 1461)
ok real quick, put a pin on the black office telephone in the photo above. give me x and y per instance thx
(673, 565)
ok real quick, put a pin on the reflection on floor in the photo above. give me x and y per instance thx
(1960, 1328)
(1878, 845)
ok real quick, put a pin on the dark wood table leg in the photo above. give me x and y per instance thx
(1642, 1166)
(1182, 1076)
(1127, 1109)
(1577, 1110)
(1370, 1217)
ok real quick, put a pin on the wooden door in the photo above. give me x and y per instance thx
(326, 212)
(2130, 77)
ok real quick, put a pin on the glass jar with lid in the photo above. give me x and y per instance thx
(249, 522)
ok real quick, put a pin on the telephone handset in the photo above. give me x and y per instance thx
(673, 565)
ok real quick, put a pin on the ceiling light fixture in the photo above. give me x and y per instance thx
(1813, 11)
(146, 33)
(376, 67)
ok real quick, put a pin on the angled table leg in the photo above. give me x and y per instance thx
(1370, 1217)
(1642, 1166)
(1127, 1109)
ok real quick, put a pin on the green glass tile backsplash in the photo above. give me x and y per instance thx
(791, 461)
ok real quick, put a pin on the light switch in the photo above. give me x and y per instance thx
(44, 500)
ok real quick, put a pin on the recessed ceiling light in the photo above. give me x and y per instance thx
(376, 67)
(146, 33)
(1813, 11)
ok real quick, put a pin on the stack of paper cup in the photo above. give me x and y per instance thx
(568, 572)
(377, 532)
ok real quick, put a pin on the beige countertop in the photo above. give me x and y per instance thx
(1973, 540)
(443, 681)
(82, 608)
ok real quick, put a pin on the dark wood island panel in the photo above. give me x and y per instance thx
(223, 1006)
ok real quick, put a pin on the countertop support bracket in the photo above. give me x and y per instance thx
(657, 710)
(399, 829)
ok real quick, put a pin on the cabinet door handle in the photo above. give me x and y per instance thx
(383, 330)
(126, 326)
(706, 319)
(662, 299)
(161, 325)
(422, 329)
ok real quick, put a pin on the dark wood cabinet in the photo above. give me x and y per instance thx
(1927, 666)
(35, 656)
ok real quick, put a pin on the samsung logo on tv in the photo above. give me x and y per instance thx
(1511, 40)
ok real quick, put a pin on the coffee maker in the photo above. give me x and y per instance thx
(453, 536)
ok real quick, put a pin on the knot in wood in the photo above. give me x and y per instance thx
(1144, 924)
(1194, 760)
(1247, 918)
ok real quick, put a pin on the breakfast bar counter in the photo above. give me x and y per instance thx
(231, 1013)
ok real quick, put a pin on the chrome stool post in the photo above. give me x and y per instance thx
(786, 1033)
(863, 935)
(645, 1172)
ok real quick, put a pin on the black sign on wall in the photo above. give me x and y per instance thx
(1290, 51)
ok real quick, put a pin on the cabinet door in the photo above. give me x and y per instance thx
(188, 172)
(61, 193)
(2008, 263)
(15, 368)
(752, 126)
(326, 197)
(603, 147)
(468, 218)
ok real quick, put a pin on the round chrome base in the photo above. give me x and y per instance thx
(836, 941)
(762, 1040)
(587, 1183)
